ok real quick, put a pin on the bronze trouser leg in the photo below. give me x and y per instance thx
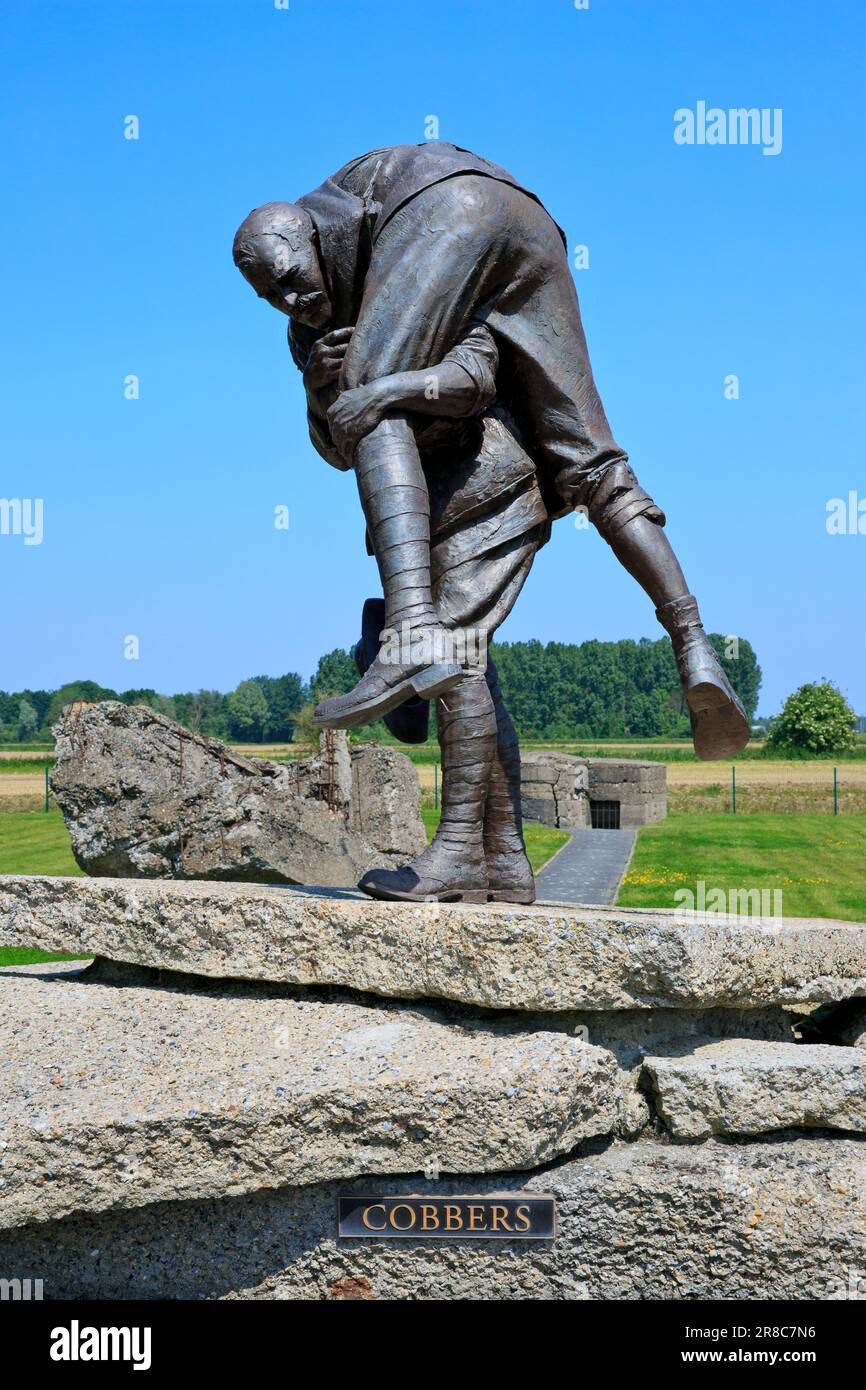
(503, 820)
(632, 526)
(396, 505)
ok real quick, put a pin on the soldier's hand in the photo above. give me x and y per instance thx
(326, 358)
(354, 414)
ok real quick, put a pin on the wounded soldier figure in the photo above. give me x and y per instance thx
(434, 316)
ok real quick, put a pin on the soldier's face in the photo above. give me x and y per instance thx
(288, 275)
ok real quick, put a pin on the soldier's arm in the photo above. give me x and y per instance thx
(463, 383)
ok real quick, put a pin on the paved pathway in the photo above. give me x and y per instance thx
(588, 869)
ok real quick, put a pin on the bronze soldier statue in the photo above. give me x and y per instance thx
(435, 320)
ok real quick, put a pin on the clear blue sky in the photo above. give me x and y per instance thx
(704, 262)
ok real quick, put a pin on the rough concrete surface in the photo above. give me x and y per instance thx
(753, 1087)
(640, 787)
(554, 789)
(540, 958)
(558, 789)
(121, 1096)
(761, 1220)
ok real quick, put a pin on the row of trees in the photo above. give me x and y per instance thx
(553, 691)
(264, 708)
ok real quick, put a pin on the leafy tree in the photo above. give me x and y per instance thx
(164, 704)
(558, 690)
(214, 713)
(74, 691)
(336, 674)
(248, 712)
(816, 718)
(28, 720)
(305, 731)
(137, 697)
(40, 700)
(284, 696)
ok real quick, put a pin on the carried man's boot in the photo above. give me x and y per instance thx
(633, 527)
(410, 721)
(417, 659)
(720, 727)
(452, 868)
(509, 872)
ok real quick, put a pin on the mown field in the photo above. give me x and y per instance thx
(34, 842)
(818, 863)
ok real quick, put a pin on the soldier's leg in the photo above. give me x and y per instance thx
(452, 868)
(509, 872)
(588, 469)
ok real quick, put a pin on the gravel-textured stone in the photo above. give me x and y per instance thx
(121, 1096)
(539, 958)
(145, 798)
(753, 1087)
(764, 1220)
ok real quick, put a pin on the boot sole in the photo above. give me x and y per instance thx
(511, 895)
(448, 895)
(425, 685)
(729, 732)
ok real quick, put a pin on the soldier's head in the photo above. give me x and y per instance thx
(276, 250)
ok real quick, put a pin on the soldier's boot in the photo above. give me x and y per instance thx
(509, 873)
(416, 656)
(452, 868)
(632, 525)
(720, 727)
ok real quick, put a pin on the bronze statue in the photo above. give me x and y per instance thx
(435, 320)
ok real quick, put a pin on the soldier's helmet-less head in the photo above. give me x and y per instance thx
(275, 249)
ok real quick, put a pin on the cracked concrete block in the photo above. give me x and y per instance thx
(752, 1087)
(719, 1221)
(119, 1096)
(541, 958)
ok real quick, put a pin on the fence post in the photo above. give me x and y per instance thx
(835, 791)
(46, 789)
(435, 786)
(734, 790)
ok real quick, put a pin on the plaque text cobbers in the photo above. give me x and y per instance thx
(503, 1217)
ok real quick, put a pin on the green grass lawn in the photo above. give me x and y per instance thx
(541, 842)
(34, 842)
(818, 862)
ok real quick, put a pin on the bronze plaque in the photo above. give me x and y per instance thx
(505, 1216)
